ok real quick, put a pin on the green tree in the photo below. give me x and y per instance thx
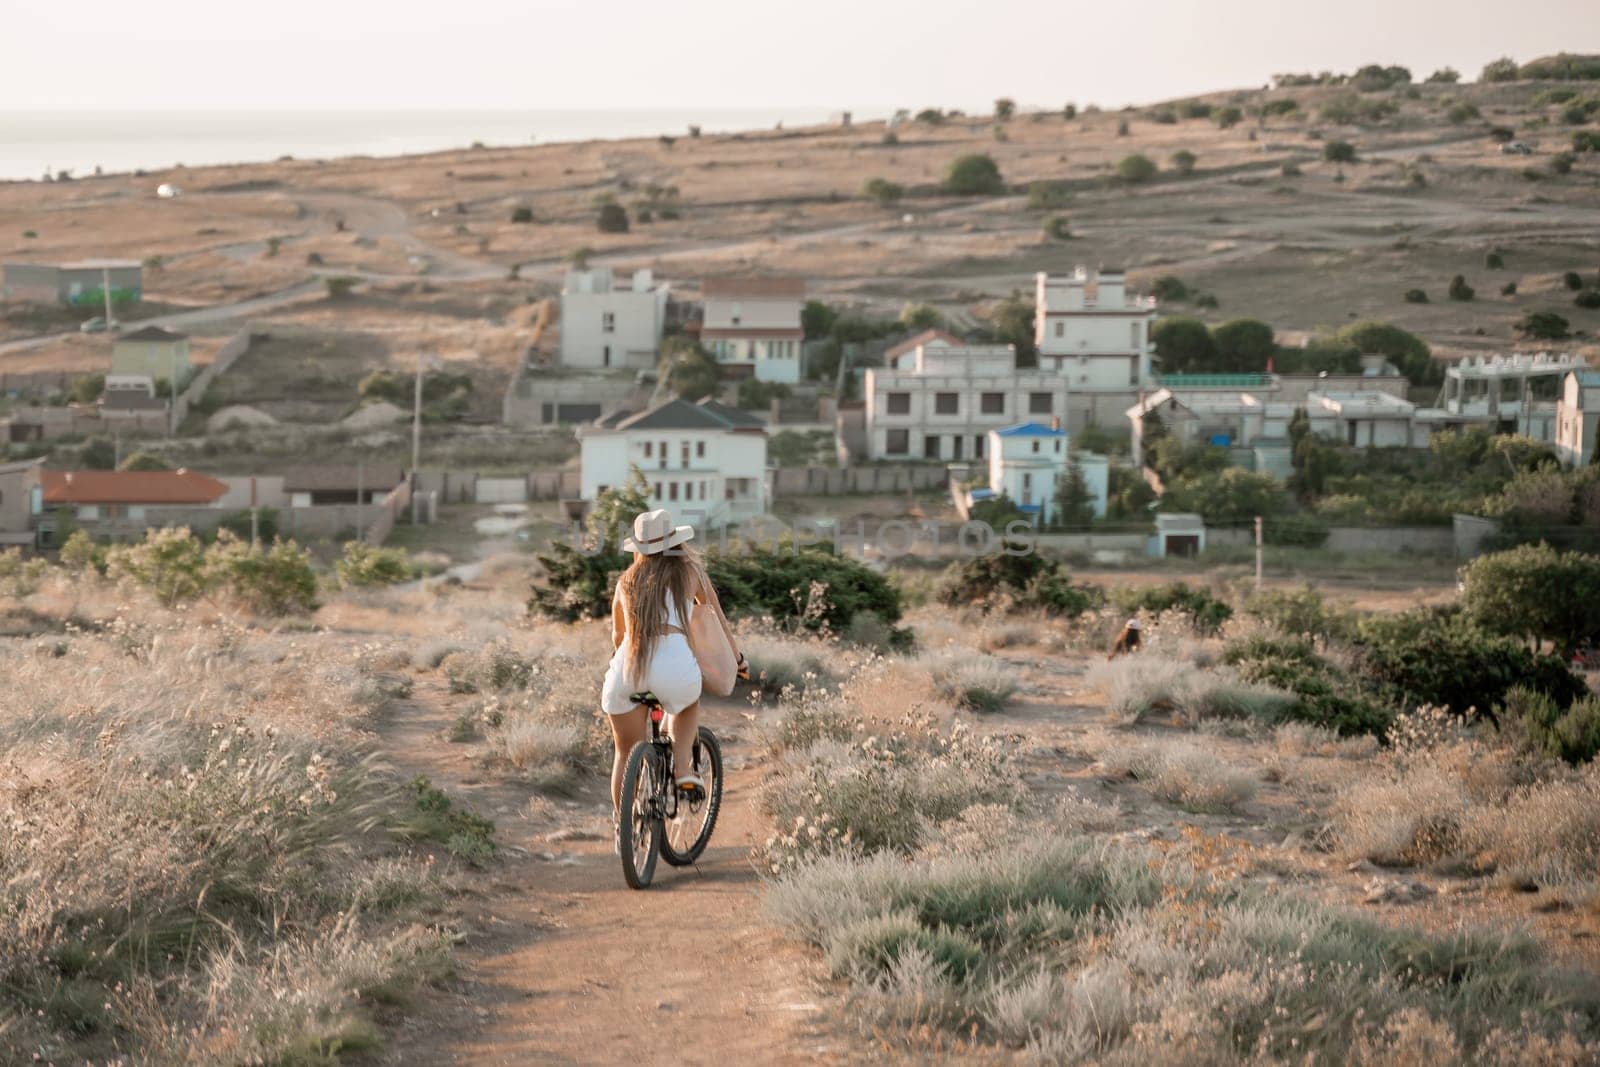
(921, 317)
(365, 566)
(275, 580)
(1135, 169)
(1005, 108)
(1408, 352)
(1536, 593)
(613, 218)
(687, 369)
(87, 389)
(1459, 289)
(1244, 345)
(1014, 325)
(98, 454)
(1228, 116)
(1444, 76)
(170, 562)
(1183, 161)
(817, 319)
(1074, 501)
(1230, 495)
(1184, 345)
(975, 174)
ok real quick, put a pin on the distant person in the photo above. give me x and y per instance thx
(650, 614)
(1127, 639)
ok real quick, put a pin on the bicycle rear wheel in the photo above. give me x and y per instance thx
(640, 825)
(685, 837)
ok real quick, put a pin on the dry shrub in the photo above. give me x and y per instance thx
(1147, 682)
(1181, 772)
(969, 679)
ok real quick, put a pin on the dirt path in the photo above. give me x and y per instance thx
(563, 964)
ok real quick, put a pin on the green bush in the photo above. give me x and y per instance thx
(1589, 299)
(613, 218)
(1169, 289)
(1408, 352)
(1244, 345)
(269, 581)
(170, 562)
(1462, 112)
(80, 553)
(1183, 161)
(1135, 169)
(1339, 152)
(1586, 141)
(1230, 495)
(1207, 611)
(1499, 70)
(1541, 725)
(809, 587)
(1059, 228)
(1459, 289)
(238, 523)
(756, 395)
(1494, 261)
(363, 566)
(1436, 656)
(1197, 109)
(1044, 196)
(1184, 344)
(1301, 612)
(1416, 296)
(1228, 117)
(1026, 581)
(1508, 289)
(975, 174)
(884, 191)
(1572, 280)
(1544, 326)
(522, 215)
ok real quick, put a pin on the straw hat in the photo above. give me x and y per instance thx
(654, 532)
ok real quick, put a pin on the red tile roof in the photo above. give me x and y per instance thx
(911, 344)
(130, 487)
(736, 287)
(760, 333)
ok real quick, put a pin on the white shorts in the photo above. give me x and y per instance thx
(673, 676)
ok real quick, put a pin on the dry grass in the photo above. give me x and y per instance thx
(1181, 771)
(194, 863)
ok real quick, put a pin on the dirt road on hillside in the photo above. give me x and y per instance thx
(563, 964)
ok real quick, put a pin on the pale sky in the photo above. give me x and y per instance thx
(862, 54)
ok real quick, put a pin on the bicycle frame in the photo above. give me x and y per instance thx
(664, 801)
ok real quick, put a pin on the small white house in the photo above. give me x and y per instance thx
(705, 462)
(605, 324)
(1092, 331)
(752, 326)
(1027, 462)
(1578, 418)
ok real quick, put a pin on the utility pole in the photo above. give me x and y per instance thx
(172, 389)
(416, 441)
(105, 292)
(1258, 553)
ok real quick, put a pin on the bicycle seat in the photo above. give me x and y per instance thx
(647, 698)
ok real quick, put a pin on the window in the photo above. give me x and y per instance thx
(1061, 329)
(605, 356)
(1041, 404)
(897, 442)
(684, 453)
(930, 446)
(737, 311)
(955, 446)
(1027, 488)
(1133, 334)
(608, 322)
(1133, 371)
(601, 489)
(647, 447)
(702, 490)
(898, 403)
(672, 490)
(977, 446)
(993, 404)
(699, 450)
(1036, 448)
(88, 511)
(657, 493)
(1058, 446)
(946, 403)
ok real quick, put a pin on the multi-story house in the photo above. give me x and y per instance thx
(705, 462)
(1578, 418)
(605, 324)
(752, 326)
(941, 400)
(1092, 331)
(153, 353)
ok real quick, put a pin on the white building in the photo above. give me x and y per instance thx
(1364, 419)
(1092, 331)
(1578, 418)
(705, 462)
(752, 326)
(942, 399)
(903, 355)
(1027, 462)
(1517, 393)
(605, 324)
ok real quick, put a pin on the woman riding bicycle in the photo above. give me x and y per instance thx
(650, 615)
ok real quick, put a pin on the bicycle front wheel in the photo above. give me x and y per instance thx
(685, 836)
(640, 827)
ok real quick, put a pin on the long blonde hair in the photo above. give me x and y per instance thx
(645, 587)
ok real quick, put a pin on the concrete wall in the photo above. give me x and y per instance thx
(634, 336)
(842, 481)
(226, 357)
(1416, 540)
(17, 482)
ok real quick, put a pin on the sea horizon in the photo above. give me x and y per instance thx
(37, 142)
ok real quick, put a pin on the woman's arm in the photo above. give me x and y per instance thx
(619, 619)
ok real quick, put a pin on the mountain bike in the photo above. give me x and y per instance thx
(659, 819)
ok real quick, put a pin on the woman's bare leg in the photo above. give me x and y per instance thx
(627, 730)
(681, 728)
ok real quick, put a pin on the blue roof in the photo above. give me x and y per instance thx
(980, 494)
(1030, 429)
(1588, 378)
